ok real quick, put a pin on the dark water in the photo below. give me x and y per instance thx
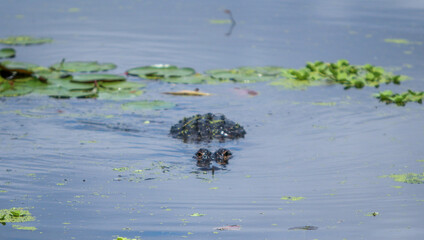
(325, 144)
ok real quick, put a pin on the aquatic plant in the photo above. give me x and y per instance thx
(82, 66)
(412, 178)
(7, 53)
(24, 40)
(161, 71)
(18, 78)
(400, 99)
(15, 215)
(19, 227)
(342, 72)
(141, 105)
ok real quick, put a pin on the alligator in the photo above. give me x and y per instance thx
(205, 128)
(205, 157)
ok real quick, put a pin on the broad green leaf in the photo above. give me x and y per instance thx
(122, 85)
(95, 77)
(160, 71)
(83, 66)
(7, 53)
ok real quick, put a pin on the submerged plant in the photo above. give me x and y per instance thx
(400, 99)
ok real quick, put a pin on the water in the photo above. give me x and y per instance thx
(57, 156)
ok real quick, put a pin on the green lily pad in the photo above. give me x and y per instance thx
(15, 215)
(16, 66)
(141, 105)
(160, 71)
(63, 93)
(65, 83)
(24, 40)
(7, 90)
(105, 94)
(122, 85)
(194, 79)
(7, 53)
(94, 77)
(82, 66)
(242, 75)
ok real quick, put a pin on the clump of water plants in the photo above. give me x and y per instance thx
(160, 71)
(247, 74)
(411, 178)
(205, 128)
(400, 99)
(18, 78)
(342, 72)
(24, 40)
(15, 215)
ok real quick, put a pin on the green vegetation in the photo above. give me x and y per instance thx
(141, 105)
(82, 66)
(19, 227)
(15, 215)
(24, 40)
(7, 53)
(411, 178)
(18, 78)
(400, 99)
(161, 71)
(292, 198)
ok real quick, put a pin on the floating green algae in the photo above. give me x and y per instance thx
(121, 169)
(411, 178)
(124, 238)
(400, 99)
(197, 215)
(19, 227)
(7, 53)
(15, 215)
(24, 40)
(290, 198)
(401, 41)
(82, 66)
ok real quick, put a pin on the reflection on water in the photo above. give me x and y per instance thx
(87, 170)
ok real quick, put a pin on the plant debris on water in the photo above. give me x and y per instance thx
(292, 198)
(400, 99)
(308, 228)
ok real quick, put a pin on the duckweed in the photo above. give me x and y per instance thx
(411, 178)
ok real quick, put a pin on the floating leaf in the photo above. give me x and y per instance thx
(76, 86)
(122, 85)
(193, 79)
(7, 53)
(188, 93)
(197, 215)
(160, 71)
(124, 94)
(83, 66)
(18, 66)
(24, 40)
(242, 74)
(94, 77)
(140, 105)
(63, 93)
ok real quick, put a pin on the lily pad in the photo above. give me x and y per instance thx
(83, 66)
(8, 90)
(24, 40)
(63, 93)
(122, 85)
(90, 78)
(242, 74)
(18, 66)
(193, 79)
(161, 71)
(105, 94)
(153, 105)
(7, 53)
